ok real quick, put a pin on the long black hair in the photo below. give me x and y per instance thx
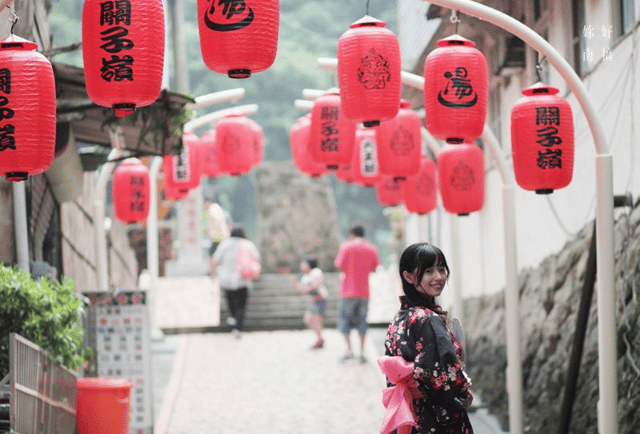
(419, 257)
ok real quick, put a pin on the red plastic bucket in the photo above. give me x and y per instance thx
(103, 405)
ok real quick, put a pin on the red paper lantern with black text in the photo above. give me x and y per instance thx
(456, 82)
(299, 143)
(27, 109)
(235, 145)
(542, 139)
(369, 72)
(123, 52)
(421, 189)
(183, 171)
(365, 164)
(332, 134)
(400, 143)
(238, 37)
(461, 178)
(208, 153)
(389, 191)
(131, 191)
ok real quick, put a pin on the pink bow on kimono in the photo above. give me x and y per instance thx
(398, 399)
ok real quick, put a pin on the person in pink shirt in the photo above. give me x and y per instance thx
(356, 258)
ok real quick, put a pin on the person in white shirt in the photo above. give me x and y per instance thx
(312, 283)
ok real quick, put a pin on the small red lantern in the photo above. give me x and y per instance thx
(461, 178)
(366, 168)
(123, 52)
(456, 82)
(369, 72)
(389, 191)
(234, 138)
(131, 191)
(542, 140)
(28, 110)
(208, 154)
(400, 143)
(238, 37)
(299, 143)
(421, 190)
(332, 134)
(182, 172)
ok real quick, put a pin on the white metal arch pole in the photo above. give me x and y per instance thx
(153, 260)
(607, 334)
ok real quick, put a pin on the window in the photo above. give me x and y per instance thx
(625, 16)
(580, 55)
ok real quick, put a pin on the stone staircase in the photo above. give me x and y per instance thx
(275, 304)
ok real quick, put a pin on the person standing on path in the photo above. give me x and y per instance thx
(223, 265)
(312, 283)
(356, 258)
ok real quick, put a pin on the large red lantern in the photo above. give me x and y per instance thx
(235, 145)
(456, 82)
(400, 143)
(131, 191)
(27, 108)
(542, 140)
(183, 171)
(238, 37)
(299, 143)
(332, 135)
(389, 191)
(364, 163)
(461, 178)
(123, 52)
(369, 72)
(208, 154)
(421, 190)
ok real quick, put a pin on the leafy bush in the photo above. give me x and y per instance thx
(44, 312)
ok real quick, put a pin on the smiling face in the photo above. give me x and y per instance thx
(432, 282)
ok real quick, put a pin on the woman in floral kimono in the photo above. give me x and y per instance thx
(428, 389)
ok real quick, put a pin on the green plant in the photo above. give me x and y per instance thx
(44, 312)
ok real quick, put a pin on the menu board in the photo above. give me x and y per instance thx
(119, 335)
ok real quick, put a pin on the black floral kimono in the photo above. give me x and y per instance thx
(421, 336)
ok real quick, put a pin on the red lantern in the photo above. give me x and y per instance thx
(366, 168)
(208, 154)
(542, 139)
(400, 143)
(28, 108)
(131, 191)
(389, 191)
(182, 172)
(234, 138)
(332, 134)
(456, 82)
(123, 52)
(299, 143)
(421, 190)
(238, 37)
(461, 178)
(369, 72)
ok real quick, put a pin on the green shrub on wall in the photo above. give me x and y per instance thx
(44, 312)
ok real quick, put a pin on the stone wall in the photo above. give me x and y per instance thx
(550, 298)
(296, 217)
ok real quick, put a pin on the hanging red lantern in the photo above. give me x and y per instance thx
(331, 135)
(389, 191)
(461, 178)
(299, 143)
(234, 138)
(542, 139)
(238, 37)
(400, 143)
(456, 82)
(421, 189)
(131, 191)
(369, 72)
(183, 171)
(27, 108)
(364, 163)
(123, 52)
(208, 153)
